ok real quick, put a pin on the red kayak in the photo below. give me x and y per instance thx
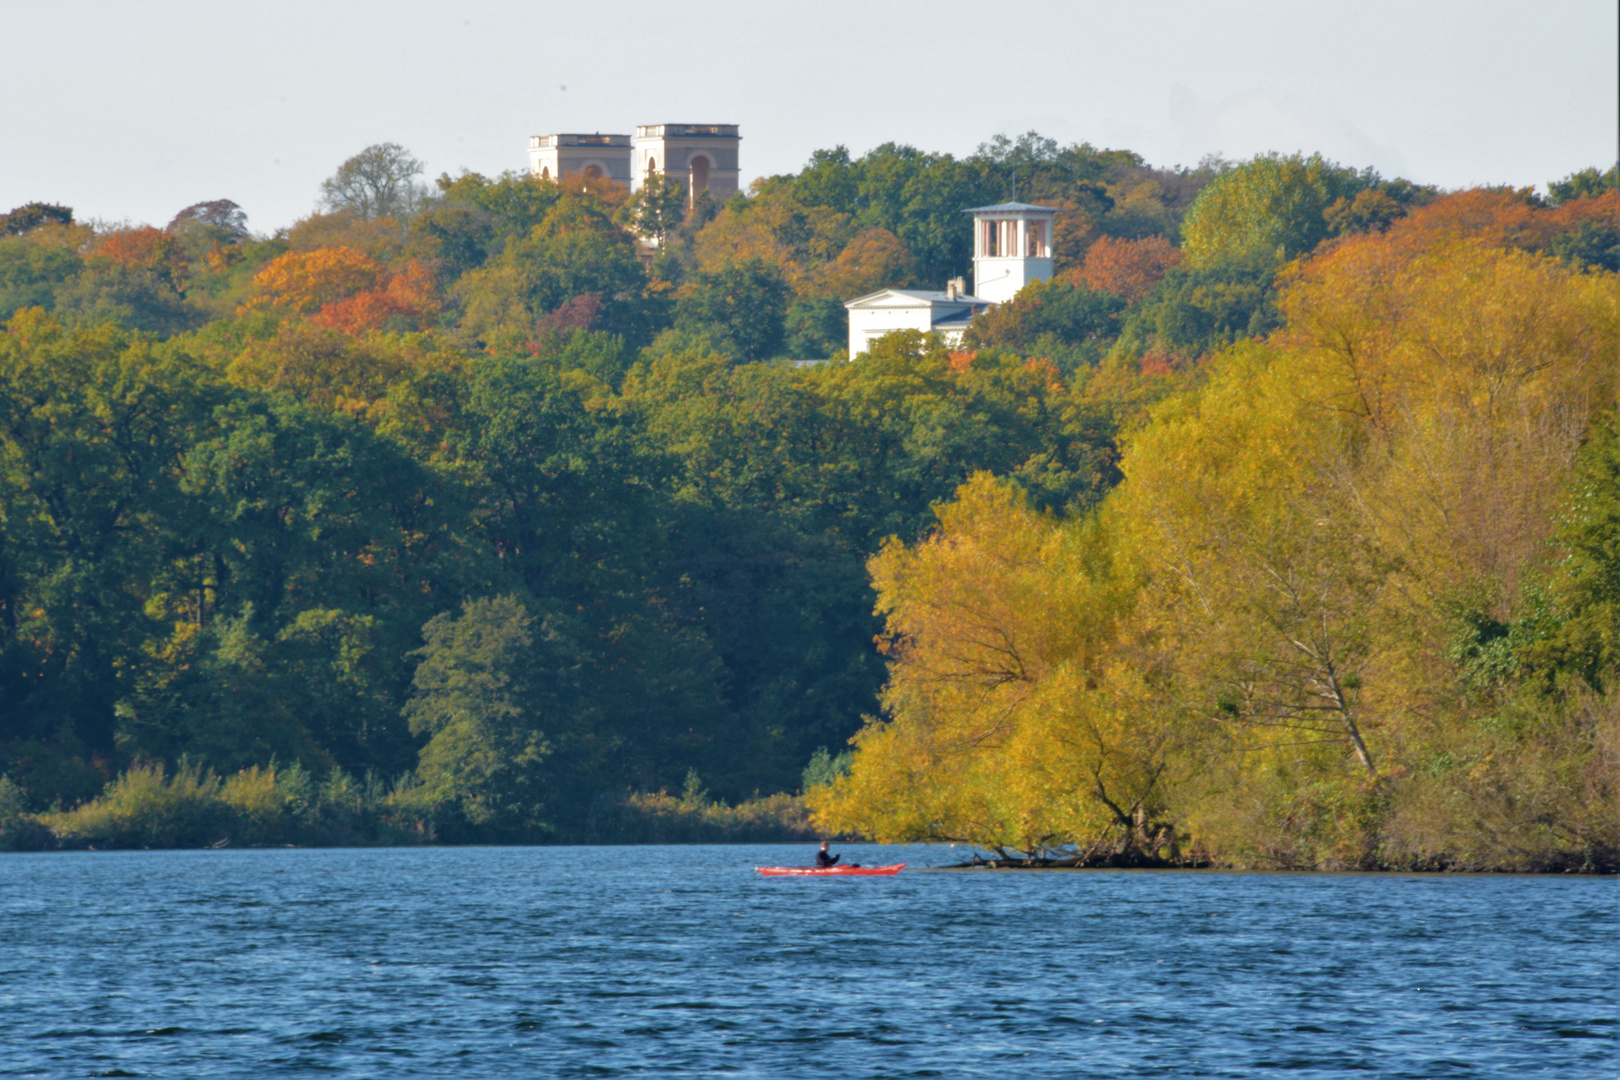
(830, 871)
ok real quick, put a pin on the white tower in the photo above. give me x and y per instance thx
(703, 157)
(552, 157)
(1012, 246)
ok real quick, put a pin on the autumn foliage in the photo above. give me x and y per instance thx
(1272, 643)
(344, 290)
(1276, 530)
(1126, 268)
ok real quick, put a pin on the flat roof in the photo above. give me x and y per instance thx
(578, 138)
(675, 131)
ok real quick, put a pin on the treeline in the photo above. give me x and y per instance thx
(472, 513)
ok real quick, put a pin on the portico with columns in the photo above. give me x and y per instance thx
(1012, 246)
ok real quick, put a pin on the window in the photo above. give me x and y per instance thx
(652, 165)
(1035, 239)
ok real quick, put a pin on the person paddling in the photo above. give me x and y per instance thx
(824, 859)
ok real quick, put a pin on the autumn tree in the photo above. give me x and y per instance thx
(1127, 268)
(1018, 711)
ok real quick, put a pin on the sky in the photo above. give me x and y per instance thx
(130, 111)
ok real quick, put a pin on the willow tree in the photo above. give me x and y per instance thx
(1018, 710)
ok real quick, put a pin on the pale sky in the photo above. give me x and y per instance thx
(133, 110)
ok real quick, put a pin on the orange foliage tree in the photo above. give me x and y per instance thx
(1127, 268)
(1501, 219)
(408, 295)
(145, 248)
(345, 290)
(875, 258)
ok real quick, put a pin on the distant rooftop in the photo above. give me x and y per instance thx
(670, 131)
(578, 139)
(1013, 208)
(926, 296)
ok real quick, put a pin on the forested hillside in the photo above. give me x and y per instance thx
(469, 511)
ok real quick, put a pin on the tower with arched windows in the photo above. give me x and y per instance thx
(1012, 246)
(702, 157)
(552, 157)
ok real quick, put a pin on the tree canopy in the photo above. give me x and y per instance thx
(1276, 529)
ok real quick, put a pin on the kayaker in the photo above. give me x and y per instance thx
(824, 859)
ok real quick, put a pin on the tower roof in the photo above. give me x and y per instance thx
(1013, 208)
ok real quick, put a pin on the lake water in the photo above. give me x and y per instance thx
(601, 962)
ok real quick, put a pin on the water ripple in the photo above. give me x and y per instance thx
(605, 962)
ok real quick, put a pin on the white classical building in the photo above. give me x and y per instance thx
(1012, 246)
(883, 312)
(703, 157)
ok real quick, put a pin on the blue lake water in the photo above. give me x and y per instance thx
(667, 961)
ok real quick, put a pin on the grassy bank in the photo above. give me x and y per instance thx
(149, 806)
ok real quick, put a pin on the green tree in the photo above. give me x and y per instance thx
(1573, 625)
(1269, 210)
(816, 329)
(31, 274)
(1192, 313)
(92, 424)
(1057, 312)
(1585, 184)
(136, 298)
(743, 303)
(515, 200)
(657, 208)
(25, 219)
(575, 249)
(484, 699)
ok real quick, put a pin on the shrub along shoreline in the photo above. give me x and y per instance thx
(193, 807)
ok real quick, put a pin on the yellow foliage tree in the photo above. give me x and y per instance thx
(332, 370)
(1255, 639)
(1313, 518)
(1019, 700)
(306, 281)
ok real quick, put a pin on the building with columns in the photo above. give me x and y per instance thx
(1012, 246)
(702, 157)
